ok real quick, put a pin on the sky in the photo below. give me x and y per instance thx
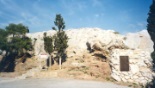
(120, 15)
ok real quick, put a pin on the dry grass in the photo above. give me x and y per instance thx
(88, 68)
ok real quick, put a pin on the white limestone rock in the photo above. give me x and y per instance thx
(139, 65)
(139, 40)
(124, 80)
(79, 37)
(134, 69)
(116, 77)
(127, 77)
(135, 77)
(137, 46)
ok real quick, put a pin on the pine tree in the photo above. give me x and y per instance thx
(17, 29)
(3, 39)
(19, 43)
(60, 38)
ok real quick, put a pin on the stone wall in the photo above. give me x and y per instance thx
(140, 64)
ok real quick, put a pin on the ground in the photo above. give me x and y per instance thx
(55, 83)
(77, 72)
(87, 70)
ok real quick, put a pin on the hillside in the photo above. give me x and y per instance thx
(79, 37)
(94, 54)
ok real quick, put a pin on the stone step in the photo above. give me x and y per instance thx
(47, 74)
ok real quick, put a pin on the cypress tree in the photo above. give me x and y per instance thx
(48, 46)
(151, 26)
(151, 22)
(60, 38)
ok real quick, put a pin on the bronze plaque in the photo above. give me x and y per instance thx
(124, 63)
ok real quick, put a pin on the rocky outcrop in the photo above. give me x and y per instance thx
(140, 40)
(111, 45)
(79, 37)
(139, 66)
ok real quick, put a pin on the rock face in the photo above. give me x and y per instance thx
(139, 40)
(111, 45)
(139, 66)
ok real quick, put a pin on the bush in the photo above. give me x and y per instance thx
(116, 32)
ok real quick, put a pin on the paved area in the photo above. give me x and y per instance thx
(54, 83)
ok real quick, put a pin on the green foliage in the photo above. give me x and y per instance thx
(116, 32)
(3, 39)
(59, 22)
(48, 44)
(3, 33)
(151, 22)
(60, 43)
(19, 43)
(151, 18)
(60, 38)
(17, 29)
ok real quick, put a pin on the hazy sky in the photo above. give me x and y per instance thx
(120, 15)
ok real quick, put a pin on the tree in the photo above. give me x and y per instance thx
(14, 41)
(18, 43)
(151, 26)
(60, 38)
(11, 29)
(21, 45)
(48, 46)
(151, 22)
(17, 29)
(21, 29)
(3, 39)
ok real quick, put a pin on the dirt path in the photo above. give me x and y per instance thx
(55, 83)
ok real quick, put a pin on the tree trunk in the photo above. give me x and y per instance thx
(59, 62)
(50, 61)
